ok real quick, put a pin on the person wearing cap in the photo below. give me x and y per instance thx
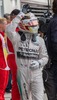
(30, 54)
(11, 61)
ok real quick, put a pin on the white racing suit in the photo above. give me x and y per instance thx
(31, 57)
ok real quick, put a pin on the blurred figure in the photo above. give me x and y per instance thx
(12, 63)
(7, 16)
(14, 13)
(4, 69)
(42, 27)
(9, 86)
(51, 83)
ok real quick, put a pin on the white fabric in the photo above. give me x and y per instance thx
(26, 52)
(30, 81)
(34, 65)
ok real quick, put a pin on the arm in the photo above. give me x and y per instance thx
(49, 39)
(43, 56)
(10, 30)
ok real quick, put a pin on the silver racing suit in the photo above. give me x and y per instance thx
(31, 57)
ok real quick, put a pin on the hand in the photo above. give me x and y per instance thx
(21, 15)
(26, 8)
(34, 65)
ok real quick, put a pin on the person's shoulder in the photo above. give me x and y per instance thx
(39, 39)
(53, 19)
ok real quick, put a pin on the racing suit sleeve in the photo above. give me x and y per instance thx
(10, 29)
(43, 56)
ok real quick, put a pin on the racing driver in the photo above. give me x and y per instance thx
(30, 53)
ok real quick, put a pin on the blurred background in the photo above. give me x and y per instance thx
(38, 6)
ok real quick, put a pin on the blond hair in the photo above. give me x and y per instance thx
(2, 20)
